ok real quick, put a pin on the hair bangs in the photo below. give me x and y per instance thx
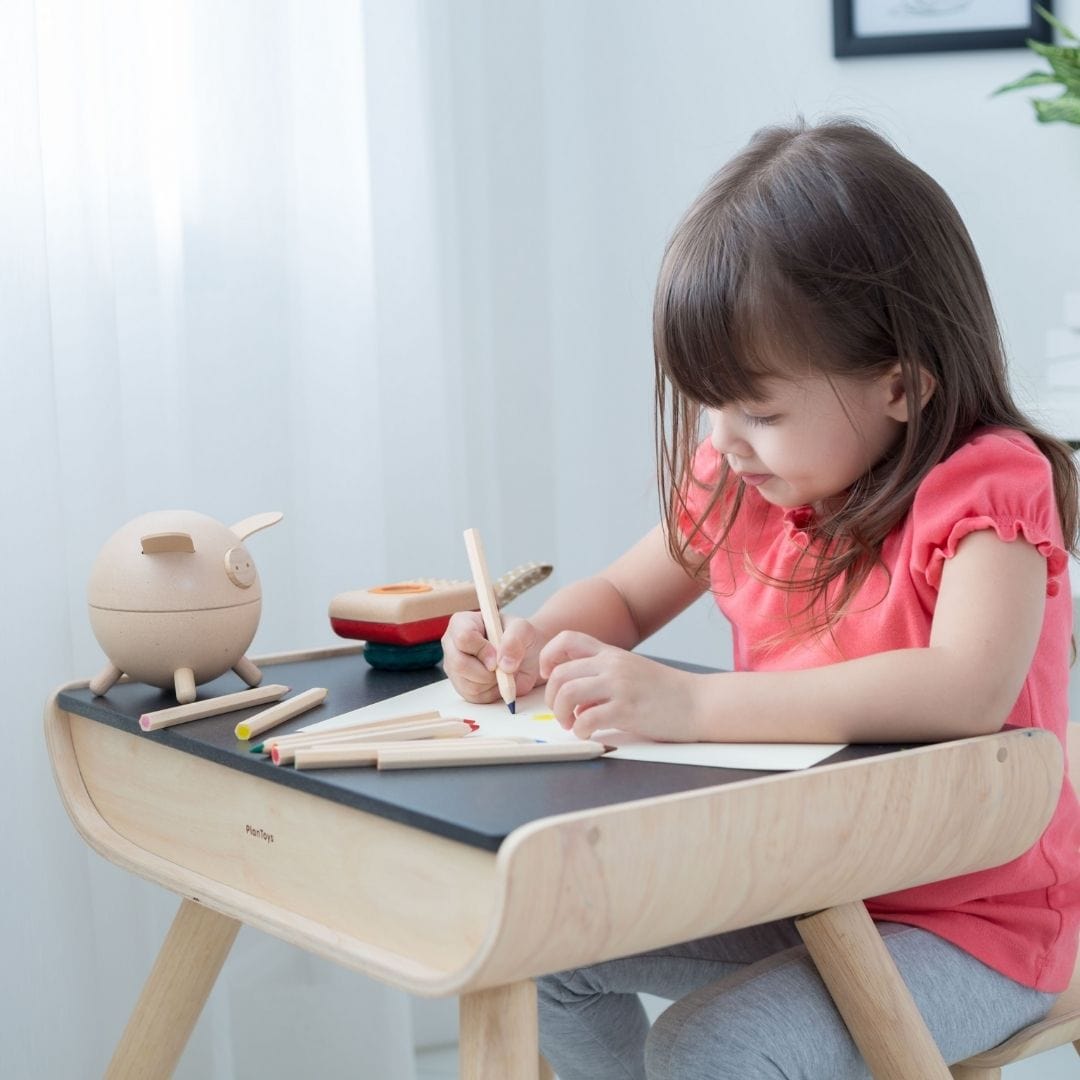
(726, 319)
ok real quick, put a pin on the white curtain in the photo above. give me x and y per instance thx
(219, 290)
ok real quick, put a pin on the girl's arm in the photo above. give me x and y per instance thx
(621, 606)
(965, 682)
(635, 596)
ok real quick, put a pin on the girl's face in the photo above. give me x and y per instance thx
(810, 438)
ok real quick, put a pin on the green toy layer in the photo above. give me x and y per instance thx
(403, 657)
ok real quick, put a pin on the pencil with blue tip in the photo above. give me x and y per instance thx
(489, 610)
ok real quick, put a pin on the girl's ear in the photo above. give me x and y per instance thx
(898, 404)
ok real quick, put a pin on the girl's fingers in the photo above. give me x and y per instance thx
(466, 634)
(567, 672)
(485, 695)
(576, 695)
(593, 719)
(518, 638)
(567, 645)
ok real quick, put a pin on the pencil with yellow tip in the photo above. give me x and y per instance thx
(278, 714)
(489, 609)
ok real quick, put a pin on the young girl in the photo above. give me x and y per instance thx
(888, 536)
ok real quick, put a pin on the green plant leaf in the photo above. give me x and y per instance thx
(1057, 24)
(1035, 78)
(1064, 61)
(1065, 109)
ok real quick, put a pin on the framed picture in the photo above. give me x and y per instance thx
(873, 27)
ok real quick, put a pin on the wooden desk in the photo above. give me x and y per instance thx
(474, 884)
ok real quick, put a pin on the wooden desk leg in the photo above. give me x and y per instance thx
(173, 996)
(872, 998)
(498, 1036)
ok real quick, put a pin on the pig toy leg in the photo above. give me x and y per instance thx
(248, 671)
(105, 679)
(184, 681)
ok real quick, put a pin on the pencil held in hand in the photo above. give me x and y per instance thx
(489, 609)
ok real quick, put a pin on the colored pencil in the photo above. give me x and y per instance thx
(341, 729)
(199, 710)
(443, 757)
(307, 735)
(352, 755)
(489, 610)
(439, 729)
(278, 714)
(439, 725)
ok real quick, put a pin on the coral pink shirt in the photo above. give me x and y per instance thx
(1021, 918)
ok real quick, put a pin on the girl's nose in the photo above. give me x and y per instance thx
(726, 436)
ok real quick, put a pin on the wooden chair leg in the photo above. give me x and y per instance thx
(870, 995)
(174, 994)
(498, 1035)
(545, 1072)
(964, 1072)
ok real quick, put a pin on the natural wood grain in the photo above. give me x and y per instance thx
(174, 994)
(465, 752)
(870, 995)
(489, 609)
(215, 706)
(498, 1037)
(280, 713)
(610, 882)
(329, 881)
(437, 917)
(576, 888)
(1062, 1024)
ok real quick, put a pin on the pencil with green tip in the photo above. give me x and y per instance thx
(489, 609)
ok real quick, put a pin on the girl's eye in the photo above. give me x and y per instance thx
(760, 421)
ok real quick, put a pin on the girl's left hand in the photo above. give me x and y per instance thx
(592, 686)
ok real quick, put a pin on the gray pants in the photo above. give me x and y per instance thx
(749, 1005)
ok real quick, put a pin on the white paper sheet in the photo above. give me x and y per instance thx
(495, 720)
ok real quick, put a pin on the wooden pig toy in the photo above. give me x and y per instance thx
(175, 601)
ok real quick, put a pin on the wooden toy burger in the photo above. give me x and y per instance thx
(402, 624)
(175, 601)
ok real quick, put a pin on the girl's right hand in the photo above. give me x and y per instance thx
(469, 659)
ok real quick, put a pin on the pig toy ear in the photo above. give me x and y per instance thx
(156, 543)
(253, 524)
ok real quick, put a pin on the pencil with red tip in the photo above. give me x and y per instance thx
(489, 609)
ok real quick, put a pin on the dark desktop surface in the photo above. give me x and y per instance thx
(479, 806)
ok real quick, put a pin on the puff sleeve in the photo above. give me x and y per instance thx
(998, 480)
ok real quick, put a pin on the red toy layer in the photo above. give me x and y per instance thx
(410, 633)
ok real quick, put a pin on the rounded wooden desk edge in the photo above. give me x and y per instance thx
(611, 879)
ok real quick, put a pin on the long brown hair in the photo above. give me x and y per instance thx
(823, 249)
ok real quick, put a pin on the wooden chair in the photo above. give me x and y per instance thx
(1063, 1023)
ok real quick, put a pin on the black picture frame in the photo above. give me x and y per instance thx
(846, 42)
